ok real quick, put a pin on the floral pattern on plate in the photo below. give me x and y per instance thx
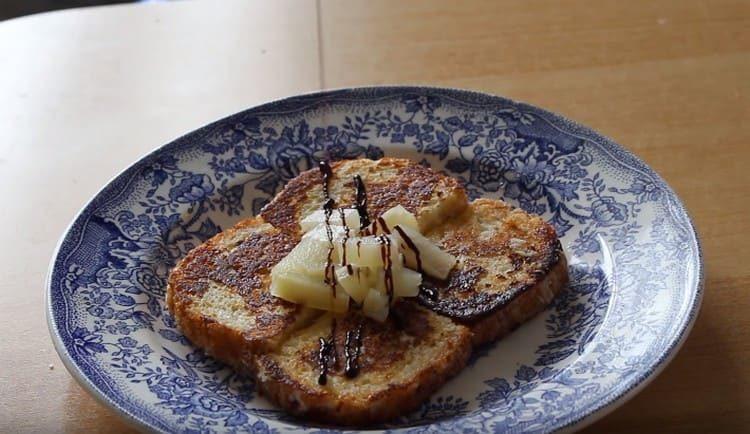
(634, 259)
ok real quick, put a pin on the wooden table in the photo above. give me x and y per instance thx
(668, 79)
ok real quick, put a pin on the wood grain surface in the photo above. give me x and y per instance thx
(670, 80)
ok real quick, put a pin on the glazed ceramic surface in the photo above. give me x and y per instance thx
(634, 259)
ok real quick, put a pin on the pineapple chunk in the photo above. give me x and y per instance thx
(358, 283)
(320, 233)
(308, 257)
(398, 215)
(376, 305)
(433, 260)
(309, 291)
(351, 219)
(369, 251)
(406, 282)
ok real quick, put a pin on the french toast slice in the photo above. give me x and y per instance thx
(429, 195)
(401, 362)
(219, 296)
(510, 267)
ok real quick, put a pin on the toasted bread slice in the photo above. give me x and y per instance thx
(510, 267)
(429, 195)
(218, 293)
(401, 362)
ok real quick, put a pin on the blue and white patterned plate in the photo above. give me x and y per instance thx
(635, 261)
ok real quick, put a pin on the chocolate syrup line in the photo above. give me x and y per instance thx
(323, 352)
(352, 357)
(383, 225)
(410, 244)
(385, 256)
(328, 206)
(346, 237)
(327, 349)
(329, 275)
(327, 173)
(361, 203)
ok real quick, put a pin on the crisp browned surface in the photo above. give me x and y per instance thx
(388, 181)
(524, 306)
(239, 262)
(502, 252)
(667, 79)
(242, 263)
(402, 362)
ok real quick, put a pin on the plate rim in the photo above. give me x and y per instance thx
(576, 421)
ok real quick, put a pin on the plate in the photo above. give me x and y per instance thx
(635, 260)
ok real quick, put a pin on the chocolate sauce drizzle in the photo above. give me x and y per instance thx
(326, 351)
(353, 344)
(385, 256)
(346, 238)
(328, 207)
(410, 244)
(383, 226)
(430, 292)
(353, 337)
(327, 172)
(361, 202)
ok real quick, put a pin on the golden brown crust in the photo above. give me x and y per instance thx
(388, 181)
(523, 307)
(381, 391)
(283, 211)
(412, 187)
(383, 341)
(503, 252)
(235, 263)
(398, 400)
(241, 264)
(225, 343)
